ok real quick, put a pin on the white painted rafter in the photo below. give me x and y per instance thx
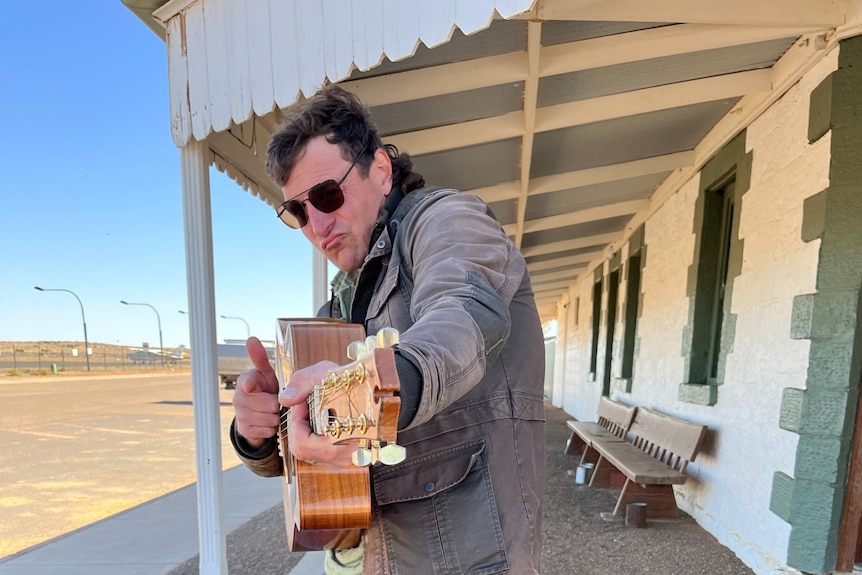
(579, 217)
(736, 12)
(568, 261)
(539, 279)
(584, 112)
(531, 98)
(599, 240)
(560, 59)
(587, 177)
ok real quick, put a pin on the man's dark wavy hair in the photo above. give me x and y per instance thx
(345, 121)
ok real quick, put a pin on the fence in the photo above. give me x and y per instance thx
(61, 357)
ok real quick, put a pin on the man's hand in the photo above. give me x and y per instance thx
(255, 399)
(303, 443)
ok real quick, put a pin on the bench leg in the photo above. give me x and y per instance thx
(602, 473)
(589, 455)
(575, 445)
(660, 500)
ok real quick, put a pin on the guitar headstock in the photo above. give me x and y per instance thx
(359, 401)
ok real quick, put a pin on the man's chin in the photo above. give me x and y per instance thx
(343, 262)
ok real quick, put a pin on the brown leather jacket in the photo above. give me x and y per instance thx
(468, 498)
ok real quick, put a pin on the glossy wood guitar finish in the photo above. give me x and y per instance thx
(327, 508)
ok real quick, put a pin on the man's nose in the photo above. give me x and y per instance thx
(320, 222)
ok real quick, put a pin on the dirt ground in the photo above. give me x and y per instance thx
(578, 539)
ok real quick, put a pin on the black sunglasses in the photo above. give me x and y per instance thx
(326, 197)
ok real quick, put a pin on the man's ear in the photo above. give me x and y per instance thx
(381, 169)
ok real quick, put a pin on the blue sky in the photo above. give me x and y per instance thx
(91, 198)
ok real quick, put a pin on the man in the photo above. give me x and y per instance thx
(435, 265)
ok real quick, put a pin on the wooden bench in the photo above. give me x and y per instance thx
(614, 421)
(653, 461)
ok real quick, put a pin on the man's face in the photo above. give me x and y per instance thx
(342, 235)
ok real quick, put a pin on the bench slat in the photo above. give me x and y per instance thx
(653, 461)
(638, 466)
(589, 431)
(659, 431)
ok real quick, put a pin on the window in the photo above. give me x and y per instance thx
(713, 283)
(613, 292)
(717, 260)
(633, 290)
(718, 297)
(596, 321)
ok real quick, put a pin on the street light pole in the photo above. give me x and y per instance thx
(83, 319)
(247, 330)
(159, 320)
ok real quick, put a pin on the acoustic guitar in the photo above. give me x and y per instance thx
(357, 403)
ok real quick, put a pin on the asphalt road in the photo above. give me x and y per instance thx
(76, 449)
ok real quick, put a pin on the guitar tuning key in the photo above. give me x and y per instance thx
(362, 457)
(356, 349)
(370, 344)
(392, 454)
(387, 337)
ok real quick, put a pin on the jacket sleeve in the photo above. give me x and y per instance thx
(465, 273)
(264, 461)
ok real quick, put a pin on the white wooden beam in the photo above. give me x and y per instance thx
(563, 262)
(440, 80)
(550, 296)
(567, 274)
(560, 59)
(600, 240)
(652, 99)
(531, 99)
(656, 43)
(739, 12)
(584, 112)
(562, 284)
(460, 135)
(610, 173)
(582, 216)
(587, 177)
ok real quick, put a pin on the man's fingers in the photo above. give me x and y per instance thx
(245, 403)
(262, 377)
(307, 446)
(302, 382)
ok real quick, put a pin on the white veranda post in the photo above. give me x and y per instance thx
(197, 222)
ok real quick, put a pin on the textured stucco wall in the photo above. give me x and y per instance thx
(732, 479)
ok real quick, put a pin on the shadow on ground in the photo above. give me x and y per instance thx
(577, 540)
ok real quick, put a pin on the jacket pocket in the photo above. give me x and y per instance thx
(383, 292)
(438, 514)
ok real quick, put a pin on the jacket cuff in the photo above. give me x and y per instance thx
(264, 461)
(411, 387)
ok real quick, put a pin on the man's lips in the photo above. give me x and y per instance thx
(330, 242)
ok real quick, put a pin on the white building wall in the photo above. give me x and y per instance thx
(580, 394)
(731, 480)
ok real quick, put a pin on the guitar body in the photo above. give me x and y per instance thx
(327, 508)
